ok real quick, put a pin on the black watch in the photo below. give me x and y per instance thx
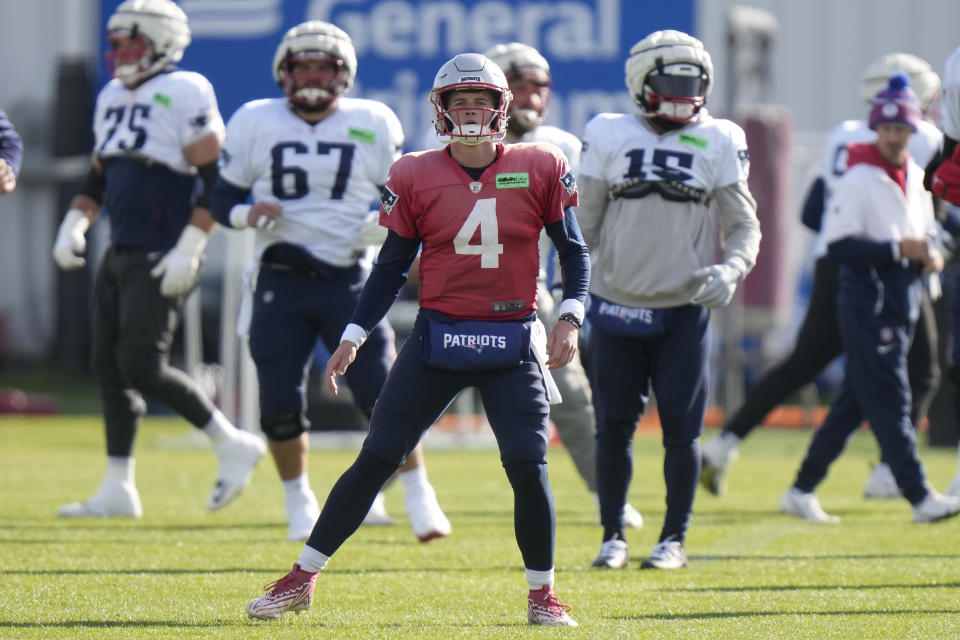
(572, 319)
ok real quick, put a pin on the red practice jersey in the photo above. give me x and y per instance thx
(480, 258)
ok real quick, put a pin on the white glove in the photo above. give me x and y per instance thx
(372, 233)
(70, 240)
(719, 284)
(179, 267)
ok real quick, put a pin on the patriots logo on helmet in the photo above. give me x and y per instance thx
(569, 182)
(388, 199)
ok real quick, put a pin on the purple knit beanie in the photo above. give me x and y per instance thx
(897, 104)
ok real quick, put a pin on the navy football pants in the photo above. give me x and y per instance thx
(622, 369)
(291, 311)
(413, 398)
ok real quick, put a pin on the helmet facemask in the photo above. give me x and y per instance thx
(312, 80)
(531, 96)
(468, 123)
(131, 55)
(674, 92)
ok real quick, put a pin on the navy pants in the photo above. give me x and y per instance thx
(622, 370)
(875, 388)
(819, 343)
(413, 398)
(291, 310)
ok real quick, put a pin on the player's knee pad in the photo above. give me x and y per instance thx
(284, 427)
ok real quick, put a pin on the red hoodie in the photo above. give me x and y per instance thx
(867, 153)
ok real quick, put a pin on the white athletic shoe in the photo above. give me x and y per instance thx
(237, 459)
(716, 457)
(426, 517)
(954, 488)
(377, 516)
(881, 484)
(936, 507)
(669, 554)
(114, 501)
(632, 517)
(302, 512)
(614, 554)
(804, 505)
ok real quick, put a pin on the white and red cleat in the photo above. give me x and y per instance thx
(545, 608)
(292, 592)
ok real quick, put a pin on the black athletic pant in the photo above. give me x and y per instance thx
(818, 343)
(133, 328)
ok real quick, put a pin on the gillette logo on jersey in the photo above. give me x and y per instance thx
(472, 345)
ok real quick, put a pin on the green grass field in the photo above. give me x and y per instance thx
(183, 572)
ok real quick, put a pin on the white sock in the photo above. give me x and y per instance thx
(539, 579)
(298, 486)
(119, 470)
(219, 429)
(414, 481)
(312, 560)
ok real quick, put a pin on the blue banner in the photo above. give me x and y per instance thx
(401, 43)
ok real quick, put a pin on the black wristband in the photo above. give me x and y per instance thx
(572, 319)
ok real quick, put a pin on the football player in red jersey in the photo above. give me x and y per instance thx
(476, 208)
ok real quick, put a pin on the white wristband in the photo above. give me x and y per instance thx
(355, 334)
(570, 305)
(238, 215)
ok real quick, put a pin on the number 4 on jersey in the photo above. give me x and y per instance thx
(484, 215)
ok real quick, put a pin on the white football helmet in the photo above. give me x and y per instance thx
(528, 75)
(669, 75)
(470, 72)
(160, 33)
(320, 41)
(923, 79)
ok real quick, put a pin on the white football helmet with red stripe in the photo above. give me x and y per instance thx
(470, 72)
